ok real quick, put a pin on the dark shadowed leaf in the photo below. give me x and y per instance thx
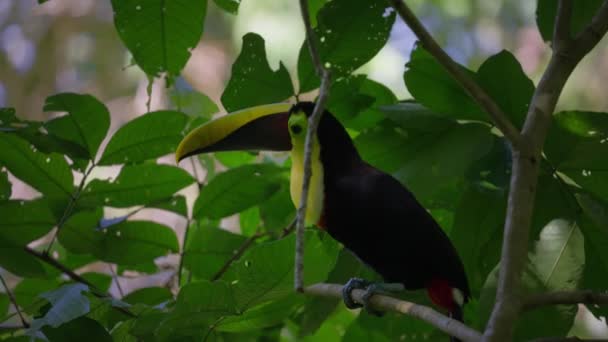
(278, 212)
(27, 292)
(390, 327)
(86, 123)
(253, 82)
(136, 185)
(101, 281)
(237, 189)
(149, 295)
(149, 136)
(263, 316)
(4, 303)
(5, 186)
(49, 174)
(80, 329)
(195, 104)
(158, 33)
(20, 226)
(350, 33)
(208, 248)
(16, 260)
(582, 12)
(80, 233)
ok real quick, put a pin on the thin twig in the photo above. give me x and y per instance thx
(313, 123)
(565, 297)
(477, 93)
(115, 277)
(75, 277)
(69, 208)
(525, 171)
(386, 303)
(14, 302)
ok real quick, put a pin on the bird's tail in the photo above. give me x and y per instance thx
(456, 314)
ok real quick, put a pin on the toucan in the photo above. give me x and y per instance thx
(367, 210)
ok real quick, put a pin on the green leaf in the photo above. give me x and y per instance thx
(17, 261)
(555, 265)
(79, 234)
(77, 330)
(237, 189)
(158, 33)
(576, 146)
(265, 272)
(68, 303)
(346, 101)
(582, 12)
(175, 204)
(232, 159)
(230, 6)
(262, 316)
(137, 242)
(350, 33)
(208, 248)
(195, 104)
(100, 281)
(49, 174)
(6, 188)
(25, 221)
(4, 303)
(249, 221)
(278, 211)
(504, 80)
(147, 137)
(253, 82)
(27, 292)
(390, 327)
(86, 123)
(136, 185)
(149, 295)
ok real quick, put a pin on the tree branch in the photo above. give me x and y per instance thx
(561, 32)
(565, 297)
(525, 171)
(313, 123)
(477, 93)
(14, 302)
(386, 303)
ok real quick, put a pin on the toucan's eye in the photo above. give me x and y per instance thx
(296, 129)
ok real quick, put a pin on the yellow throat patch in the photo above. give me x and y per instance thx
(298, 126)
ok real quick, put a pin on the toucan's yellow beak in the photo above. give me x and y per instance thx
(256, 128)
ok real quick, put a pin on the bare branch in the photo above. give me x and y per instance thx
(313, 123)
(561, 31)
(14, 302)
(475, 91)
(525, 171)
(565, 297)
(386, 303)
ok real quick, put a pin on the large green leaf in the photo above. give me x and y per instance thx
(555, 265)
(278, 211)
(6, 188)
(582, 12)
(349, 33)
(175, 204)
(148, 295)
(49, 174)
(79, 234)
(149, 136)
(136, 185)
(265, 272)
(159, 33)
(77, 330)
(27, 292)
(263, 316)
(252, 81)
(237, 189)
(576, 146)
(68, 302)
(25, 221)
(86, 124)
(17, 261)
(208, 248)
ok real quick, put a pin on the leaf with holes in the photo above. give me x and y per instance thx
(149, 136)
(86, 123)
(349, 33)
(49, 174)
(160, 33)
(136, 185)
(253, 82)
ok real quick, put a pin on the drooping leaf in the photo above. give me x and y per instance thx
(6, 188)
(25, 221)
(265, 272)
(149, 136)
(158, 33)
(86, 123)
(208, 248)
(555, 265)
(350, 33)
(253, 82)
(79, 329)
(582, 12)
(136, 185)
(68, 302)
(237, 189)
(49, 174)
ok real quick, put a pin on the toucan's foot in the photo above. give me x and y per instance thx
(370, 290)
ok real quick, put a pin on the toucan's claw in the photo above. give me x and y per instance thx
(352, 284)
(370, 290)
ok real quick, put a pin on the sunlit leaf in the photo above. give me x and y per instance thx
(350, 33)
(160, 34)
(253, 82)
(149, 136)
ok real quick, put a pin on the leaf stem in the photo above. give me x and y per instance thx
(11, 297)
